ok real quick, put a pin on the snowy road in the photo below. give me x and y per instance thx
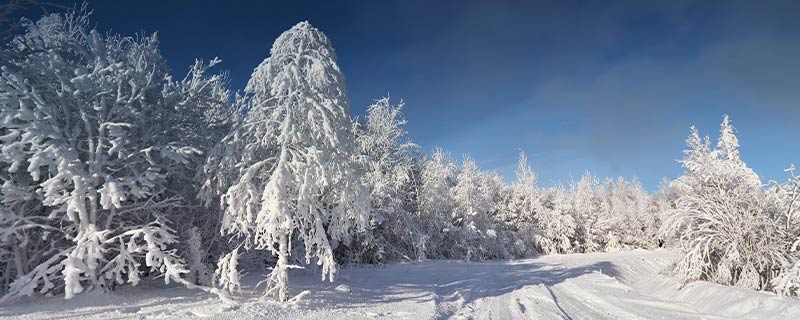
(591, 286)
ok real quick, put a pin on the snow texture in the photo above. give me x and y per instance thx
(623, 285)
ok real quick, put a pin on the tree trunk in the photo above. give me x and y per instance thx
(282, 269)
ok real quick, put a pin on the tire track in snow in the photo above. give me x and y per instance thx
(555, 300)
(584, 304)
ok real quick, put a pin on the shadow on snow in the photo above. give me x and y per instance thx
(450, 285)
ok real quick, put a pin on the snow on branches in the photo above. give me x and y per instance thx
(92, 133)
(788, 281)
(388, 163)
(729, 227)
(297, 178)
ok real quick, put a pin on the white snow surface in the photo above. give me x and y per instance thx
(622, 285)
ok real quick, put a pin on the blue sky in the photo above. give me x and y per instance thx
(606, 86)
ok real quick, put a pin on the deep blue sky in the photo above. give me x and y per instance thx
(608, 86)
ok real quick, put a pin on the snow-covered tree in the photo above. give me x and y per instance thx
(629, 219)
(557, 229)
(94, 134)
(471, 205)
(472, 228)
(496, 242)
(8, 11)
(587, 206)
(436, 202)
(293, 154)
(730, 229)
(788, 281)
(522, 205)
(388, 160)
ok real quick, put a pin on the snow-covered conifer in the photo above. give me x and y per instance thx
(519, 214)
(587, 206)
(523, 195)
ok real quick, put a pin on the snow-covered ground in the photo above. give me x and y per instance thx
(625, 285)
